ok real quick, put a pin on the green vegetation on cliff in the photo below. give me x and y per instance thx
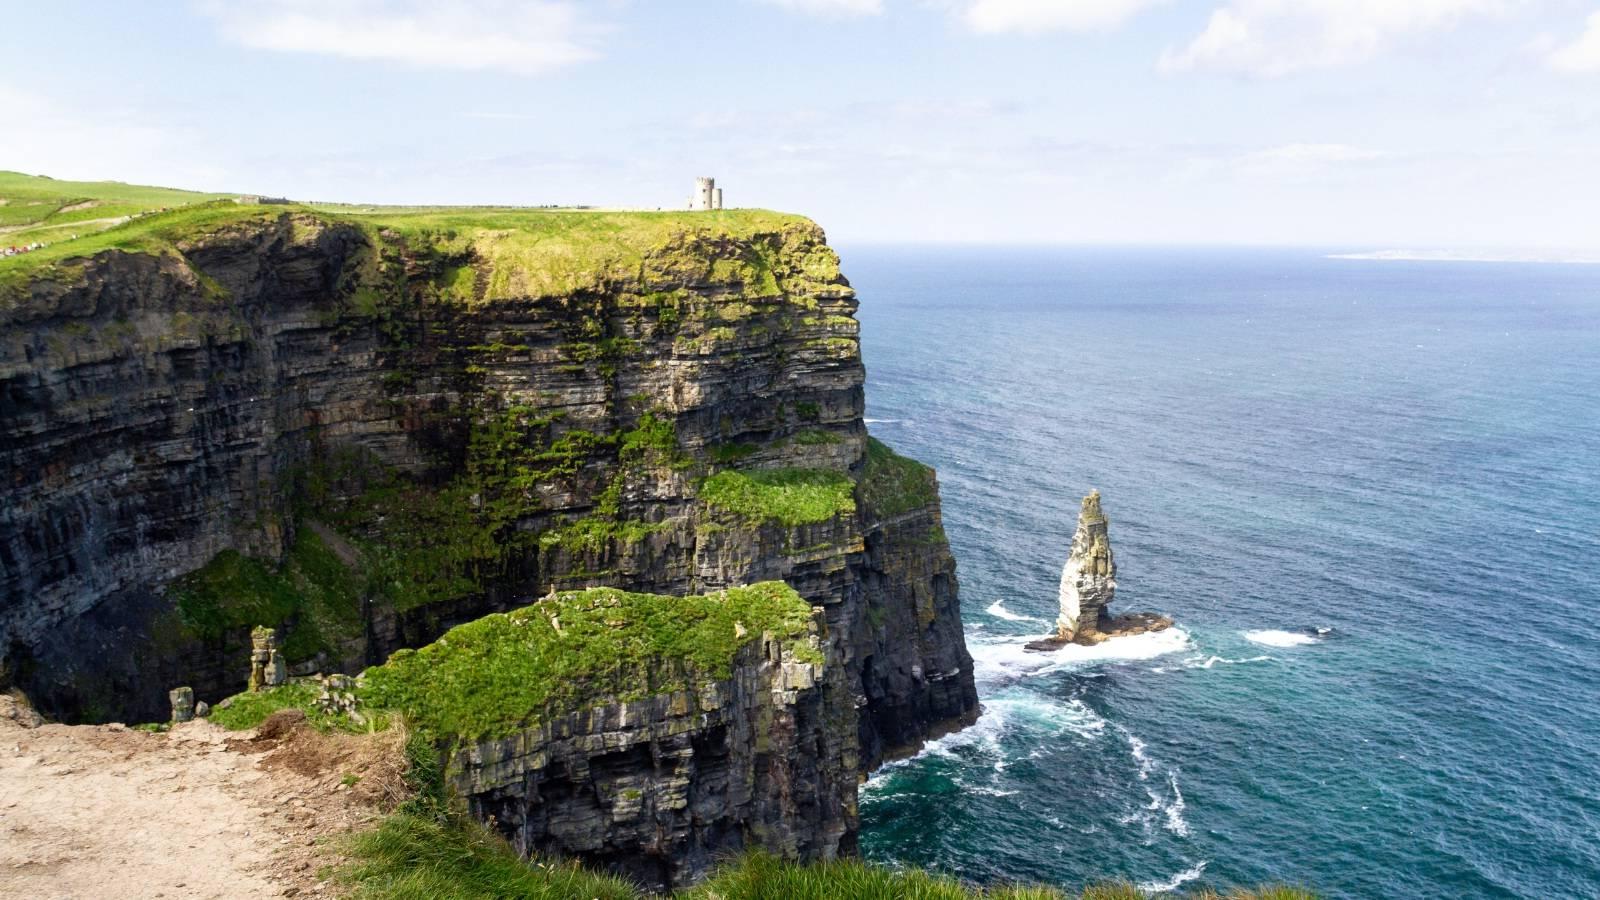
(571, 651)
(787, 496)
(251, 708)
(490, 677)
(37, 208)
(313, 589)
(892, 484)
(500, 252)
(558, 253)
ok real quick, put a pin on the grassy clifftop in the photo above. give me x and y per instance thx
(492, 676)
(517, 252)
(36, 208)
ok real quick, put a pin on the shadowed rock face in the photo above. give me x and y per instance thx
(189, 440)
(1089, 584)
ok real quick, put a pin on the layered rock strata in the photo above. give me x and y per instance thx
(362, 434)
(688, 766)
(1089, 584)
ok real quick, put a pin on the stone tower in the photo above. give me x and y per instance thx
(705, 194)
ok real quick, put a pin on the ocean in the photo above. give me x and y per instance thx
(1368, 492)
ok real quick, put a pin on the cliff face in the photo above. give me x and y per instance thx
(365, 434)
(702, 725)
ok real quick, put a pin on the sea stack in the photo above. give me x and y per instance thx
(1088, 584)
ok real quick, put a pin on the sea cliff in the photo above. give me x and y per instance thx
(364, 430)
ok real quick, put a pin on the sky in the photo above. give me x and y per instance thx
(1342, 123)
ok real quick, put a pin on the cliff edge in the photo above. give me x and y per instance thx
(366, 429)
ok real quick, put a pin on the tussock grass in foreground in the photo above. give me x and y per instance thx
(758, 876)
(415, 857)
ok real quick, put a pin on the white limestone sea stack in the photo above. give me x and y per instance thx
(1088, 585)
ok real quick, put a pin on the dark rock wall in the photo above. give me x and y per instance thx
(661, 790)
(156, 411)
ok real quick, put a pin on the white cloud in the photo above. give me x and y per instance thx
(1270, 38)
(523, 38)
(1583, 54)
(1032, 16)
(833, 8)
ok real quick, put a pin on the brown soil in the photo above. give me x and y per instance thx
(103, 811)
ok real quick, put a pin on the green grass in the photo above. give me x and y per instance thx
(413, 857)
(787, 496)
(758, 876)
(40, 208)
(155, 234)
(514, 252)
(417, 857)
(493, 676)
(553, 252)
(249, 709)
(892, 484)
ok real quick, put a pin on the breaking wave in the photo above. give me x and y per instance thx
(999, 611)
(998, 659)
(1176, 881)
(1273, 637)
(1195, 662)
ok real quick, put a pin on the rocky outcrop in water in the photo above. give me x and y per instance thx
(1089, 584)
(362, 436)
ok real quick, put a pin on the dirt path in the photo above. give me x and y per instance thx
(108, 812)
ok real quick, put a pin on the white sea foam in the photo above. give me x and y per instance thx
(1002, 659)
(1272, 637)
(990, 792)
(999, 611)
(1176, 881)
(1170, 807)
(1137, 747)
(1002, 715)
(1174, 809)
(1195, 662)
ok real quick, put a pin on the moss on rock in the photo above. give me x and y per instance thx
(787, 496)
(892, 484)
(574, 650)
(313, 592)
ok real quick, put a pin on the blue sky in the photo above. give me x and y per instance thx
(1361, 123)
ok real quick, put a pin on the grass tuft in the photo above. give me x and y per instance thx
(787, 496)
(892, 484)
(420, 857)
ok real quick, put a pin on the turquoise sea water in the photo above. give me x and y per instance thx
(1368, 492)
